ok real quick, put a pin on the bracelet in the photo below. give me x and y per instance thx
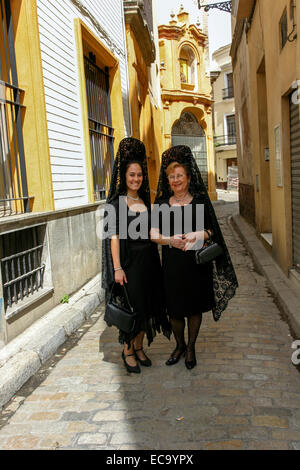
(118, 269)
(209, 235)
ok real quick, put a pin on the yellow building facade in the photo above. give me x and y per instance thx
(186, 93)
(265, 54)
(64, 110)
(146, 114)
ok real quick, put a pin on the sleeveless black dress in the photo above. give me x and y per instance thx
(188, 287)
(141, 263)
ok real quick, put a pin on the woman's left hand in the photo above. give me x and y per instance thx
(191, 238)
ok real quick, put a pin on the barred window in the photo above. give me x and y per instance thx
(21, 264)
(100, 125)
(13, 181)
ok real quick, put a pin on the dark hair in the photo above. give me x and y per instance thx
(123, 169)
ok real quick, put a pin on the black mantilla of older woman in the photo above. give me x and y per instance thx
(190, 289)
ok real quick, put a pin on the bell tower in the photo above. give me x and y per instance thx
(186, 91)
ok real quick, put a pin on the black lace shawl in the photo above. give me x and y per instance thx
(132, 150)
(224, 277)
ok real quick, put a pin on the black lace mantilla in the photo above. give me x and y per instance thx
(224, 278)
(130, 150)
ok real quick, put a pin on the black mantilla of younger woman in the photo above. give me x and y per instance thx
(139, 258)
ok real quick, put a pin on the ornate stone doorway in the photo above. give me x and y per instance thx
(187, 131)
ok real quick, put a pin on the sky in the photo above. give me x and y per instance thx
(219, 23)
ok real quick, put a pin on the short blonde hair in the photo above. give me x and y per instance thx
(171, 167)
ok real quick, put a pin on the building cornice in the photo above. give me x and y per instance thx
(174, 32)
(139, 26)
(191, 97)
(171, 32)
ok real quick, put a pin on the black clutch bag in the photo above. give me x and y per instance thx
(209, 252)
(118, 315)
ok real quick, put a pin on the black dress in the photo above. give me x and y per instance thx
(141, 263)
(188, 287)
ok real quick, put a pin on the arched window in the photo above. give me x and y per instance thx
(187, 62)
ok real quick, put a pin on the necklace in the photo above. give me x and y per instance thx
(181, 199)
(133, 198)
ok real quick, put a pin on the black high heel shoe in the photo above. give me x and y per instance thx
(173, 360)
(136, 369)
(144, 362)
(191, 364)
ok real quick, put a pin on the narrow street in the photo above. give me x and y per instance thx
(243, 393)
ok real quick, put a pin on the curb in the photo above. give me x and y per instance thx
(285, 294)
(25, 354)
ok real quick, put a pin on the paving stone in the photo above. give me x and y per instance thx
(270, 421)
(20, 443)
(92, 439)
(109, 415)
(224, 445)
(45, 416)
(130, 438)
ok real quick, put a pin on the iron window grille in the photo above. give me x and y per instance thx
(228, 93)
(13, 180)
(231, 129)
(229, 139)
(100, 125)
(21, 264)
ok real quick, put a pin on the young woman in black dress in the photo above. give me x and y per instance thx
(190, 289)
(133, 259)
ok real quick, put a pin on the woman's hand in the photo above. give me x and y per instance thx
(120, 277)
(177, 241)
(192, 238)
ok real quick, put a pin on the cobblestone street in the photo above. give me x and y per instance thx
(243, 393)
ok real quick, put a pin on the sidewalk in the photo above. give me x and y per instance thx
(286, 295)
(22, 357)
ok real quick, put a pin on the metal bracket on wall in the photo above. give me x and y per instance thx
(223, 6)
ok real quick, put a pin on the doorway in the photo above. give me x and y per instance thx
(187, 131)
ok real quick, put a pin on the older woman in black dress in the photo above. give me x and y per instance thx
(190, 289)
(132, 259)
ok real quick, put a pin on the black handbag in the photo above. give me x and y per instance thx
(118, 315)
(209, 252)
